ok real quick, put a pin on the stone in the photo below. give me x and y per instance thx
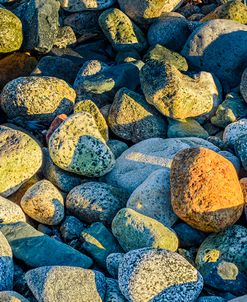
(58, 120)
(95, 202)
(99, 242)
(20, 159)
(112, 263)
(153, 198)
(62, 284)
(234, 131)
(10, 212)
(37, 98)
(117, 147)
(159, 275)
(127, 56)
(139, 161)
(77, 146)
(121, 32)
(205, 190)
(243, 85)
(170, 31)
(81, 5)
(36, 249)
(113, 293)
(134, 231)
(65, 37)
(205, 50)
(11, 296)
(240, 148)
(10, 31)
(44, 203)
(176, 95)
(211, 299)
(132, 118)
(6, 265)
(239, 299)
(233, 159)
(71, 228)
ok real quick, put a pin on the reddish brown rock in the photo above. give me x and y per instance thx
(205, 190)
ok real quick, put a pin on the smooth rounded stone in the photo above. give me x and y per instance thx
(158, 275)
(90, 107)
(44, 203)
(169, 31)
(65, 37)
(20, 159)
(140, 160)
(81, 5)
(153, 198)
(16, 65)
(60, 68)
(163, 54)
(241, 149)
(243, 85)
(113, 293)
(36, 249)
(117, 147)
(205, 190)
(10, 212)
(230, 110)
(121, 32)
(134, 231)
(77, 146)
(211, 299)
(188, 236)
(95, 201)
(177, 95)
(10, 31)
(63, 284)
(239, 299)
(11, 296)
(71, 228)
(37, 98)
(112, 263)
(233, 10)
(234, 131)
(132, 118)
(233, 159)
(99, 243)
(186, 128)
(6, 265)
(206, 49)
(127, 56)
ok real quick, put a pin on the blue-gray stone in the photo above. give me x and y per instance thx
(6, 265)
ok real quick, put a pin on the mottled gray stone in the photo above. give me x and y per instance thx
(71, 228)
(113, 293)
(6, 265)
(11, 296)
(112, 263)
(234, 131)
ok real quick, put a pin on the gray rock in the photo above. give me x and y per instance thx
(81, 5)
(71, 228)
(234, 131)
(10, 212)
(233, 159)
(11, 296)
(117, 147)
(243, 85)
(211, 299)
(65, 37)
(112, 263)
(241, 149)
(113, 293)
(6, 265)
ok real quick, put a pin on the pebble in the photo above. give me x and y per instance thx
(117, 147)
(112, 263)
(6, 265)
(10, 212)
(65, 37)
(234, 131)
(71, 228)
(113, 293)
(11, 296)
(243, 85)
(211, 299)
(81, 5)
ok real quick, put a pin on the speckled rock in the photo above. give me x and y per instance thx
(113, 293)
(112, 263)
(11, 296)
(211, 299)
(81, 5)
(205, 190)
(10, 31)
(158, 275)
(71, 228)
(134, 230)
(20, 159)
(121, 32)
(10, 212)
(240, 148)
(153, 198)
(39, 98)
(243, 85)
(6, 265)
(176, 95)
(132, 118)
(234, 131)
(63, 284)
(117, 147)
(84, 151)
(44, 203)
(239, 299)
(95, 201)
(65, 37)
(36, 249)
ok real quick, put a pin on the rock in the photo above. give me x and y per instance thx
(199, 178)
(6, 265)
(99, 242)
(112, 263)
(205, 49)
(117, 147)
(158, 275)
(20, 159)
(36, 249)
(44, 203)
(243, 85)
(153, 199)
(233, 10)
(121, 32)
(186, 128)
(10, 31)
(169, 31)
(132, 118)
(163, 54)
(10, 212)
(241, 149)
(134, 230)
(62, 284)
(71, 228)
(231, 110)
(113, 293)
(239, 299)
(211, 299)
(176, 95)
(140, 160)
(77, 146)
(81, 5)
(15, 65)
(233, 159)
(11, 296)
(39, 98)
(65, 37)
(126, 56)
(234, 131)
(95, 201)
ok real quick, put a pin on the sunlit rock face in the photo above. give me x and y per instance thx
(83, 5)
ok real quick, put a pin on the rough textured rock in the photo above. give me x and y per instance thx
(113, 293)
(10, 212)
(240, 148)
(205, 190)
(11, 296)
(211, 299)
(176, 95)
(112, 263)
(6, 265)
(234, 131)
(65, 37)
(134, 231)
(39, 98)
(63, 284)
(243, 85)
(81, 5)
(71, 228)
(158, 275)
(117, 147)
